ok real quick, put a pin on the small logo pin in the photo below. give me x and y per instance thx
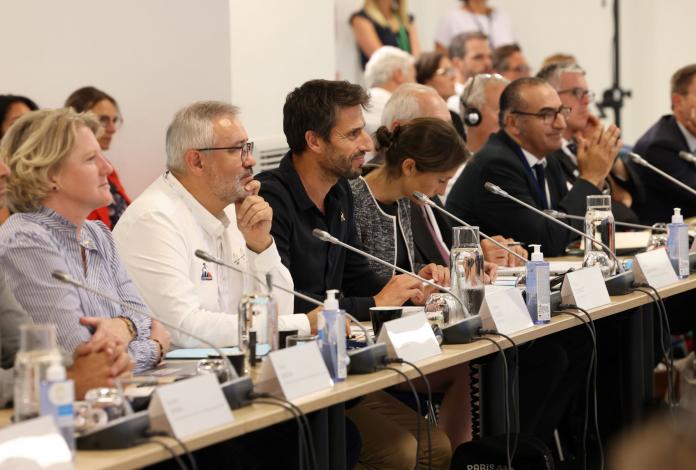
(205, 274)
(343, 217)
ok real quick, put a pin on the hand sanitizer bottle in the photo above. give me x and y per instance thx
(333, 337)
(57, 395)
(538, 288)
(678, 244)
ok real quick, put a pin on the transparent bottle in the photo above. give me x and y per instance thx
(37, 352)
(467, 276)
(258, 312)
(599, 225)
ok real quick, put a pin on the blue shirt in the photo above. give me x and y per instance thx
(34, 244)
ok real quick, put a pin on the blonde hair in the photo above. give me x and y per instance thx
(374, 12)
(34, 148)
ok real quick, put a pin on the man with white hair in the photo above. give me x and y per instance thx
(479, 107)
(388, 68)
(208, 199)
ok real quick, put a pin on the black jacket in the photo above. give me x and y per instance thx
(426, 250)
(499, 163)
(661, 145)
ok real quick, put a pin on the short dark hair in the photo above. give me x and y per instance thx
(502, 54)
(8, 100)
(313, 106)
(682, 79)
(457, 47)
(427, 64)
(85, 98)
(432, 143)
(511, 98)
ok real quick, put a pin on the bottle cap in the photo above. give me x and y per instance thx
(677, 218)
(331, 302)
(55, 372)
(537, 255)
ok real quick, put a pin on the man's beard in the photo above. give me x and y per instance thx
(230, 192)
(341, 166)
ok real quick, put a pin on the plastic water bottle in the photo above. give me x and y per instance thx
(538, 287)
(678, 244)
(332, 338)
(57, 395)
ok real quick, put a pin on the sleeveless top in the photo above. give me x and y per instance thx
(386, 36)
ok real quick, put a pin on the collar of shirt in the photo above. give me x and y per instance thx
(532, 160)
(214, 226)
(56, 222)
(690, 138)
(297, 189)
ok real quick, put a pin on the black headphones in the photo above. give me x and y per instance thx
(472, 117)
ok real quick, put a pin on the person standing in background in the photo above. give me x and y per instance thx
(474, 16)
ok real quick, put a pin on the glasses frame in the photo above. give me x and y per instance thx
(547, 116)
(246, 149)
(579, 93)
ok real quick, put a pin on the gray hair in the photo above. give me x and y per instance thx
(384, 62)
(474, 94)
(552, 73)
(403, 105)
(191, 128)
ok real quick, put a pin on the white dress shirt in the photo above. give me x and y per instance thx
(532, 160)
(157, 237)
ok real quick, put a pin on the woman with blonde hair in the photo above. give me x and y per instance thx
(384, 23)
(58, 176)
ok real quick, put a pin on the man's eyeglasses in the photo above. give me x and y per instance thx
(246, 150)
(579, 93)
(548, 115)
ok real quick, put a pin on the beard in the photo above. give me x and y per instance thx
(229, 191)
(341, 166)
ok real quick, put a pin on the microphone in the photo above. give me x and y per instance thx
(234, 379)
(562, 215)
(362, 361)
(619, 284)
(638, 160)
(426, 200)
(687, 157)
(461, 332)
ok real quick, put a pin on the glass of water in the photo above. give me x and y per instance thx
(599, 226)
(467, 276)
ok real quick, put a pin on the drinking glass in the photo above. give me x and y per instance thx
(599, 226)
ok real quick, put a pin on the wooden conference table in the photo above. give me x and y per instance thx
(258, 416)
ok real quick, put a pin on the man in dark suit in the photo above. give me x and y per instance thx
(532, 122)
(622, 183)
(661, 144)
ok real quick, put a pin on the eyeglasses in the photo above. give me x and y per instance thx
(106, 120)
(246, 149)
(579, 93)
(548, 115)
(445, 71)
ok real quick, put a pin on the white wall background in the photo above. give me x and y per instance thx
(155, 56)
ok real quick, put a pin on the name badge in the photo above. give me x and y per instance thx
(504, 310)
(189, 407)
(409, 338)
(654, 268)
(585, 288)
(294, 372)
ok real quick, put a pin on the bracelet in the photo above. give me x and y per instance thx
(161, 349)
(131, 327)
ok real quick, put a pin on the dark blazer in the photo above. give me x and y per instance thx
(498, 163)
(426, 250)
(661, 145)
(622, 213)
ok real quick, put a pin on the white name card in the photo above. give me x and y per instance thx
(654, 268)
(585, 288)
(35, 444)
(504, 310)
(294, 372)
(189, 407)
(409, 338)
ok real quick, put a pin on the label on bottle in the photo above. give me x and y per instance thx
(56, 399)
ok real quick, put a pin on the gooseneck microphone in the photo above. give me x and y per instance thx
(205, 256)
(562, 215)
(426, 200)
(619, 284)
(687, 157)
(638, 160)
(461, 332)
(68, 279)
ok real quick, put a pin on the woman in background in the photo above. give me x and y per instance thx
(435, 70)
(105, 107)
(384, 23)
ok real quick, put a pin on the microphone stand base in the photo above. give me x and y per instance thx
(368, 359)
(122, 433)
(462, 332)
(237, 391)
(620, 284)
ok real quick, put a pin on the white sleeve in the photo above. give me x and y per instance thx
(157, 256)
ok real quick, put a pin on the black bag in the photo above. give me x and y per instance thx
(489, 453)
